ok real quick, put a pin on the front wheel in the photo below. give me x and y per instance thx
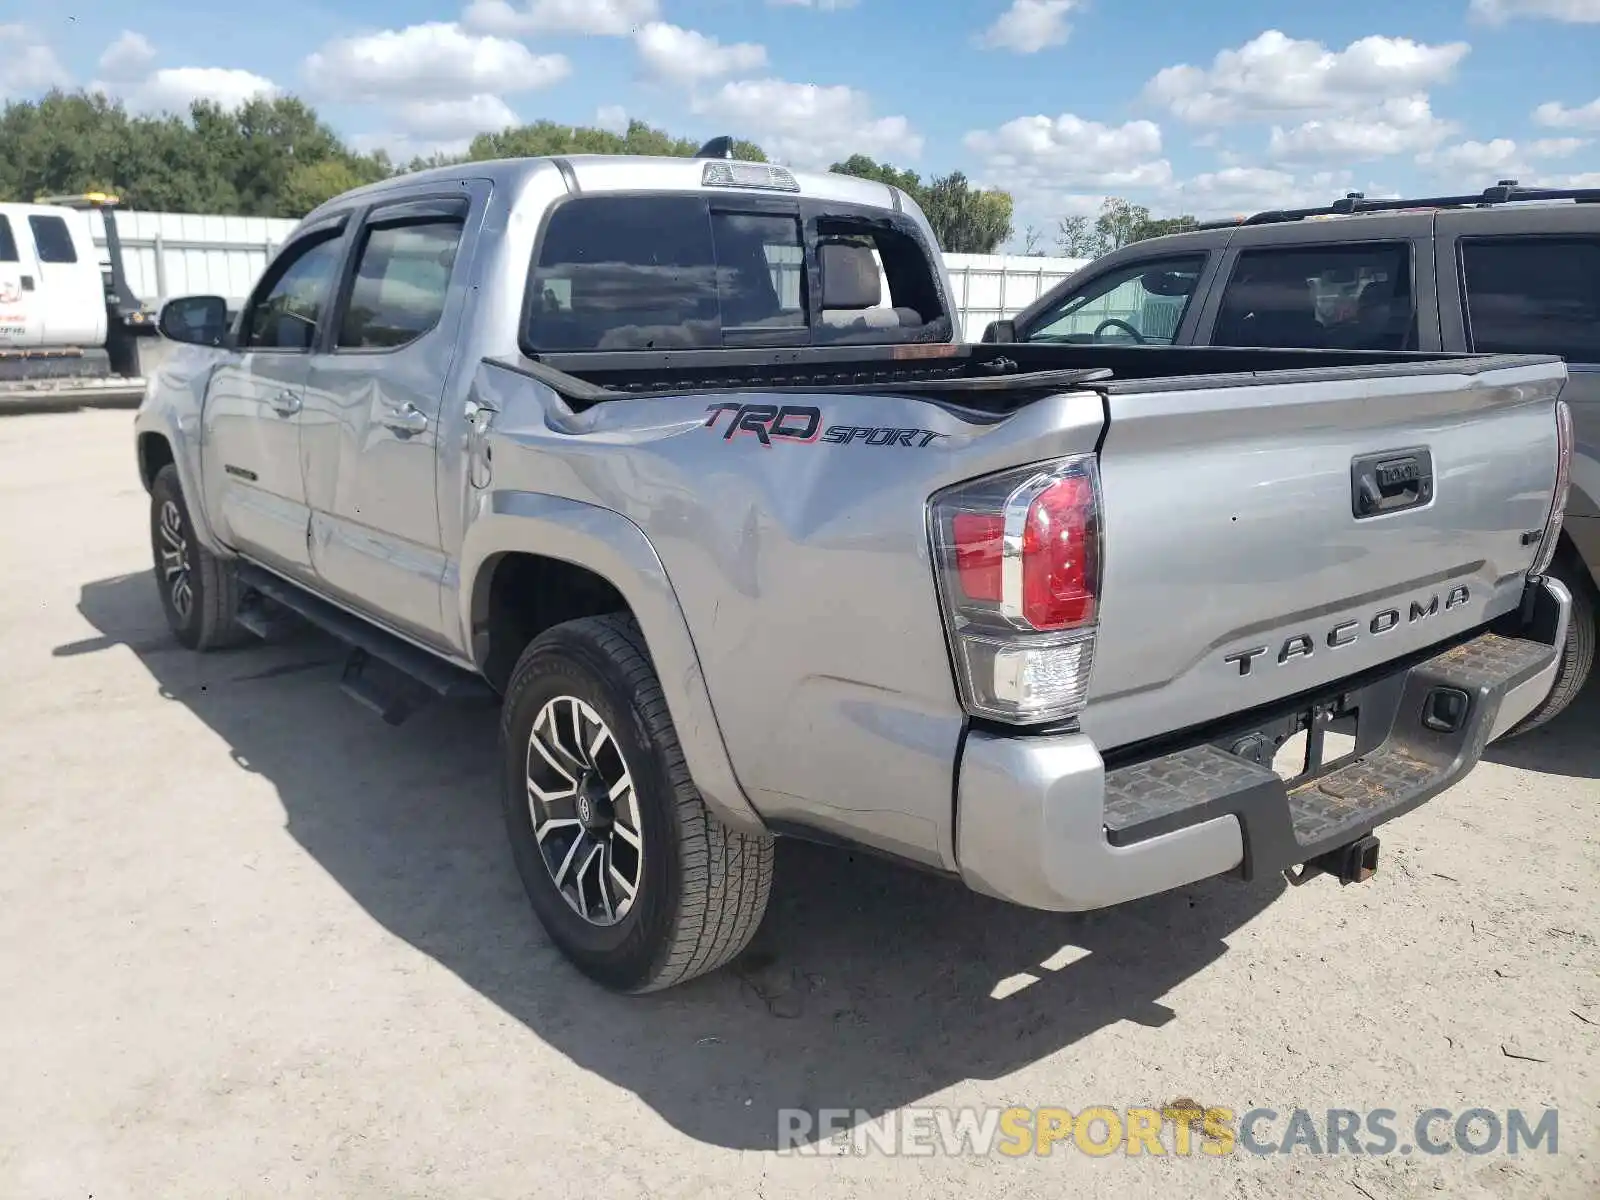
(199, 591)
(632, 876)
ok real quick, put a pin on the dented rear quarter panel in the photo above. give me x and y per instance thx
(802, 568)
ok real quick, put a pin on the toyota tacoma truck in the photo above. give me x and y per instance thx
(682, 462)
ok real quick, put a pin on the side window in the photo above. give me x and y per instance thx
(402, 280)
(8, 243)
(1533, 294)
(284, 314)
(1325, 297)
(626, 273)
(1141, 303)
(52, 239)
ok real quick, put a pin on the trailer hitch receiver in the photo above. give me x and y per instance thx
(1354, 862)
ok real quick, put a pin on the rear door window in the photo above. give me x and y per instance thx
(401, 283)
(1538, 295)
(8, 241)
(52, 239)
(1141, 303)
(1326, 297)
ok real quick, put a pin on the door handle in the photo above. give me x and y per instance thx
(406, 420)
(285, 403)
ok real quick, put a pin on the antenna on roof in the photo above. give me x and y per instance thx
(717, 147)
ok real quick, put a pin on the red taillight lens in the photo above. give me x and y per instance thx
(1059, 575)
(978, 538)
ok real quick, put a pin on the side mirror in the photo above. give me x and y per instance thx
(1000, 331)
(195, 320)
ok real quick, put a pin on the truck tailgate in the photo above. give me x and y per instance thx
(1236, 568)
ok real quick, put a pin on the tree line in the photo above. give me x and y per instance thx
(275, 157)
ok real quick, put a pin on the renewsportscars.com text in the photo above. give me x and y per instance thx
(1180, 1130)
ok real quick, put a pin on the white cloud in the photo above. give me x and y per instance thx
(596, 18)
(130, 57)
(1041, 153)
(809, 125)
(1562, 147)
(128, 73)
(1238, 191)
(683, 56)
(1396, 126)
(1575, 11)
(454, 120)
(433, 61)
(1503, 158)
(27, 64)
(820, 5)
(1475, 158)
(1559, 116)
(1276, 75)
(1030, 26)
(612, 117)
(1065, 165)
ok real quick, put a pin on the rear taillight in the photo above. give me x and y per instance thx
(1558, 505)
(1018, 559)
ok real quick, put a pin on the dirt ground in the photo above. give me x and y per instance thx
(255, 943)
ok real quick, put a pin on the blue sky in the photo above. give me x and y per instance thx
(1208, 108)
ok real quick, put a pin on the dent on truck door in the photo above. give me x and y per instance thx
(1529, 282)
(373, 400)
(255, 487)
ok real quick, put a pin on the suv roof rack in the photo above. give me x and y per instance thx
(1507, 191)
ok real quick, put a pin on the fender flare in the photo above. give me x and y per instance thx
(613, 547)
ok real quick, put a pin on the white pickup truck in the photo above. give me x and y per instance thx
(70, 328)
(747, 547)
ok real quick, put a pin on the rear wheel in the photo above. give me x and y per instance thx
(632, 876)
(199, 591)
(1577, 655)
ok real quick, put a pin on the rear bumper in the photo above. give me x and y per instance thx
(1041, 822)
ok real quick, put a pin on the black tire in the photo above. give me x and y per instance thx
(1577, 656)
(704, 886)
(203, 616)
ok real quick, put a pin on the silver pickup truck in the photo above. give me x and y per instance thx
(680, 461)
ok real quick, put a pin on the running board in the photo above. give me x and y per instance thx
(385, 673)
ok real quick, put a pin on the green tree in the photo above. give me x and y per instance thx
(1076, 238)
(964, 219)
(548, 137)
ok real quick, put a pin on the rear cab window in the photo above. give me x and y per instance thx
(694, 272)
(1330, 296)
(1533, 294)
(52, 239)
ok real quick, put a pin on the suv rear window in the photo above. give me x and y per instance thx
(1538, 295)
(52, 239)
(1325, 297)
(641, 273)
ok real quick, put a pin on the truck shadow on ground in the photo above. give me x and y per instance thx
(1565, 745)
(869, 986)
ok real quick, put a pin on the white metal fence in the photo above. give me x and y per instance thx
(178, 254)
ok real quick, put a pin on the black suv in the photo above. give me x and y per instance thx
(1513, 269)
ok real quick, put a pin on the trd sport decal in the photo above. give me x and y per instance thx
(798, 423)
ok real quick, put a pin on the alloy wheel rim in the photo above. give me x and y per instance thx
(174, 550)
(585, 811)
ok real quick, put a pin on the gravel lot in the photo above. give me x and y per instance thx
(255, 943)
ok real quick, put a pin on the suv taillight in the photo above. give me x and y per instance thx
(1558, 506)
(1018, 564)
